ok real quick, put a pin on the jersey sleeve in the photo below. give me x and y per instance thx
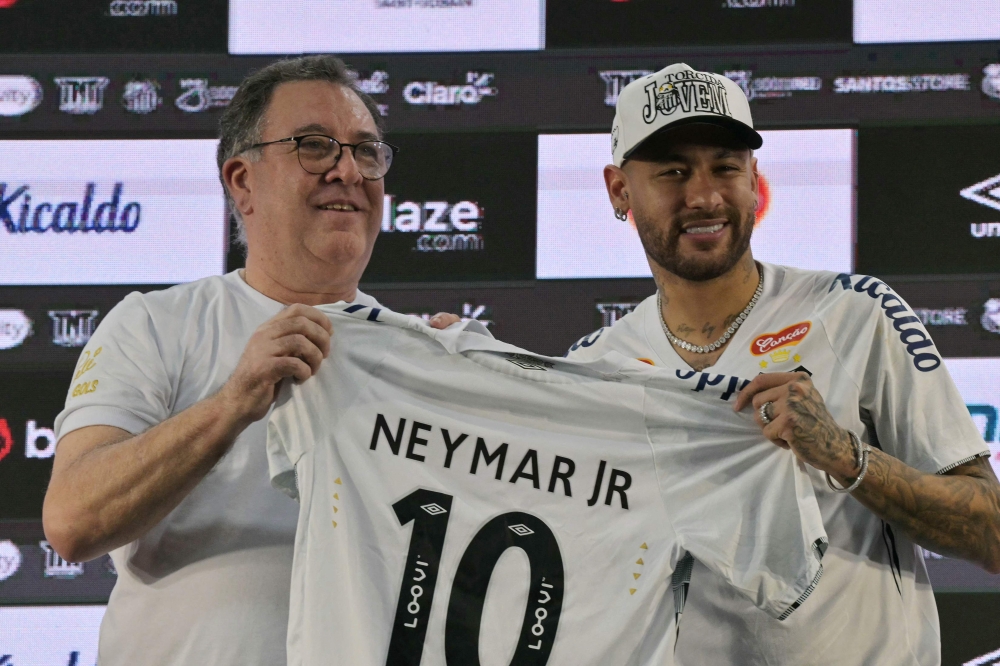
(740, 505)
(908, 400)
(121, 378)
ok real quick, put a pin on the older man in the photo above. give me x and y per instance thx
(852, 384)
(163, 463)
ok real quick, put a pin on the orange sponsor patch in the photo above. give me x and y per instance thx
(786, 337)
(646, 360)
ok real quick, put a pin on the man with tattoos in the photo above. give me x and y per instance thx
(835, 368)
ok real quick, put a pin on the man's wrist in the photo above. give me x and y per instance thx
(847, 464)
(231, 412)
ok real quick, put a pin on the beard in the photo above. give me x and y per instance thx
(661, 242)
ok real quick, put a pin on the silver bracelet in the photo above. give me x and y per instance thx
(861, 450)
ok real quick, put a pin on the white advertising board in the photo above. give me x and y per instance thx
(976, 379)
(384, 26)
(110, 212)
(49, 635)
(805, 218)
(888, 21)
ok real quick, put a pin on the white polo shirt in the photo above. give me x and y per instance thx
(881, 376)
(209, 583)
(463, 499)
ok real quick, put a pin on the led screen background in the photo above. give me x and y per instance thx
(871, 139)
(880, 21)
(365, 26)
(806, 216)
(930, 203)
(592, 23)
(110, 212)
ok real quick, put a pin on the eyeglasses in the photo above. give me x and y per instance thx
(319, 153)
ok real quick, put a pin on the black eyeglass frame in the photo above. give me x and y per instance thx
(353, 146)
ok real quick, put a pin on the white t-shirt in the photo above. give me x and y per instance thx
(880, 376)
(462, 499)
(209, 583)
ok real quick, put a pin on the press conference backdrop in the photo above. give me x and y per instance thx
(880, 120)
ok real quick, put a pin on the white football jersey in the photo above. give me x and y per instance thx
(880, 376)
(465, 502)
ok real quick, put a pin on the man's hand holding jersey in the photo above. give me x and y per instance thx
(291, 344)
(954, 513)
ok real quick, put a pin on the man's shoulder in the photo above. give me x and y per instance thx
(830, 292)
(624, 335)
(196, 295)
(172, 313)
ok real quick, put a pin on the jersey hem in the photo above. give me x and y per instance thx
(819, 546)
(981, 454)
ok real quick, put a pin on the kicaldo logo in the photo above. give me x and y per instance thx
(443, 226)
(39, 442)
(778, 345)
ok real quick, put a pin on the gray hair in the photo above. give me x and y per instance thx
(242, 121)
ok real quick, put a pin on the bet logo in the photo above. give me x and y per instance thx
(6, 440)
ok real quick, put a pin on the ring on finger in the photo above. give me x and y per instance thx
(766, 415)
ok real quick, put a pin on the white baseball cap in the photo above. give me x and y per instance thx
(678, 95)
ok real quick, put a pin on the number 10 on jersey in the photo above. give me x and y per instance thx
(430, 512)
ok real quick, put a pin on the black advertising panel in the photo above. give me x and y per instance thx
(458, 207)
(45, 328)
(962, 316)
(929, 200)
(29, 403)
(113, 26)
(970, 627)
(546, 317)
(831, 85)
(587, 23)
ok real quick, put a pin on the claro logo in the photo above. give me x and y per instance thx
(19, 214)
(431, 93)
(443, 226)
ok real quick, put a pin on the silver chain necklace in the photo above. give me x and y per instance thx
(708, 349)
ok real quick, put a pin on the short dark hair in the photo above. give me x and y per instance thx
(240, 125)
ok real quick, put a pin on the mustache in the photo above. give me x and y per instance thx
(730, 213)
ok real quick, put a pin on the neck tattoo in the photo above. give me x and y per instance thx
(708, 349)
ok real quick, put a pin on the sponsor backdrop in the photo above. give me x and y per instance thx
(95, 212)
(581, 23)
(112, 26)
(880, 119)
(276, 26)
(914, 218)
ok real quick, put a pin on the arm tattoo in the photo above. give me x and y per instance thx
(956, 514)
(827, 443)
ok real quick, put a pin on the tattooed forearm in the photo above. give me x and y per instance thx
(956, 514)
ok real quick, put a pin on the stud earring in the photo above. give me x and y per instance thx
(620, 214)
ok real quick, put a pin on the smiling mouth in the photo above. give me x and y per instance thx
(705, 230)
(339, 206)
